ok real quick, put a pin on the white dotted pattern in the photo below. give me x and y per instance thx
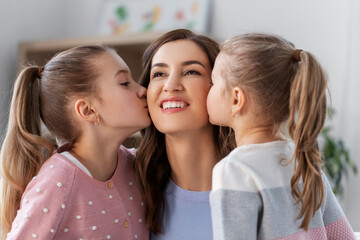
(46, 210)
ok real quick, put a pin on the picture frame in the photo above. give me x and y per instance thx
(119, 17)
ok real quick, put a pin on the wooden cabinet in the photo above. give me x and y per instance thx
(129, 47)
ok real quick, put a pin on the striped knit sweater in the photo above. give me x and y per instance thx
(251, 198)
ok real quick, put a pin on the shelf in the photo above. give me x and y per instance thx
(130, 47)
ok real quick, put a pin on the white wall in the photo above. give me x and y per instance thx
(348, 125)
(23, 21)
(328, 28)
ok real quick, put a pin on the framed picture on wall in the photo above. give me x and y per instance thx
(135, 16)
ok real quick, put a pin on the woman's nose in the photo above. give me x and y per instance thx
(173, 83)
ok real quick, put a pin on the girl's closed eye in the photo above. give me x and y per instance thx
(125, 84)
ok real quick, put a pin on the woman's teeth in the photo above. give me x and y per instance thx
(173, 104)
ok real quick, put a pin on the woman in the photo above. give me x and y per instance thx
(181, 147)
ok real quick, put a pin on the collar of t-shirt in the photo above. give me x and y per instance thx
(73, 159)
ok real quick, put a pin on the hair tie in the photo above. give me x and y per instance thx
(40, 72)
(296, 55)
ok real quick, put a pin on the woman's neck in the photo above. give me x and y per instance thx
(192, 157)
(99, 156)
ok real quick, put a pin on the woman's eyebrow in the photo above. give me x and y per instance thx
(186, 63)
(159, 65)
(193, 62)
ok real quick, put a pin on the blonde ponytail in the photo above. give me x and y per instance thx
(41, 99)
(307, 115)
(287, 84)
(23, 150)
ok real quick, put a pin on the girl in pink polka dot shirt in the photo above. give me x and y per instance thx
(85, 100)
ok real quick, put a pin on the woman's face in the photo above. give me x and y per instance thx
(180, 79)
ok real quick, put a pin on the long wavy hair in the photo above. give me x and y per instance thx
(152, 166)
(287, 84)
(40, 98)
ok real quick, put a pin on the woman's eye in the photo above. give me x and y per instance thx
(158, 74)
(192, 72)
(125, 84)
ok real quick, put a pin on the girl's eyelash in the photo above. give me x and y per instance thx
(125, 84)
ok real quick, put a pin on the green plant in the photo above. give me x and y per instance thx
(336, 158)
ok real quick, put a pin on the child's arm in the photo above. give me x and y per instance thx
(43, 205)
(336, 224)
(236, 206)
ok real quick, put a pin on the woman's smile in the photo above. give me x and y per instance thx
(173, 105)
(179, 83)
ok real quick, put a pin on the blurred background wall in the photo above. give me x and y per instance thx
(330, 29)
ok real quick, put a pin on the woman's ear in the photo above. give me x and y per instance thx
(84, 110)
(238, 101)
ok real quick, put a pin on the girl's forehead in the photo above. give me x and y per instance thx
(111, 61)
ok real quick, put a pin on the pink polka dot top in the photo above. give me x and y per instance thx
(63, 202)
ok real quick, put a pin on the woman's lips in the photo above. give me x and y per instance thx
(172, 105)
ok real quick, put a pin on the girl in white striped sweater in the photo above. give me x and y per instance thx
(270, 187)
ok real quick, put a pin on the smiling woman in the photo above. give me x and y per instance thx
(180, 76)
(180, 148)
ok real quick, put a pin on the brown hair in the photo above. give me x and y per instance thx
(285, 89)
(152, 165)
(41, 95)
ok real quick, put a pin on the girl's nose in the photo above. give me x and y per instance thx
(141, 93)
